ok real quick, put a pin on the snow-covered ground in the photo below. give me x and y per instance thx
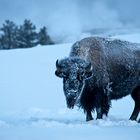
(32, 104)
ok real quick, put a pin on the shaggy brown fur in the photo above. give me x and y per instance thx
(116, 73)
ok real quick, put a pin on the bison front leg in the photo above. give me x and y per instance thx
(88, 116)
(99, 113)
(106, 104)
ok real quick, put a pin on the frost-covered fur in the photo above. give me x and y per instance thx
(74, 71)
(115, 74)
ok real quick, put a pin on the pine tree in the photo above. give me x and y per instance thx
(0, 43)
(27, 36)
(23, 36)
(43, 37)
(8, 37)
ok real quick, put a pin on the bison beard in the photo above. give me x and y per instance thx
(99, 70)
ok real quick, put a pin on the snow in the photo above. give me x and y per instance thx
(32, 102)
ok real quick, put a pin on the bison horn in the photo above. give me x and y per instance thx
(57, 64)
(88, 67)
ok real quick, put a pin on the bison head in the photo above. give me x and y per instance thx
(74, 72)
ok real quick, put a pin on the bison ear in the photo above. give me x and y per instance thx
(59, 74)
(58, 71)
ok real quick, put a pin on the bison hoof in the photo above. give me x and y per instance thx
(89, 119)
(99, 117)
(133, 118)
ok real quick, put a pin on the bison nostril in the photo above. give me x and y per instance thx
(72, 91)
(71, 94)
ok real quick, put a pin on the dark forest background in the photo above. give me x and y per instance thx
(22, 36)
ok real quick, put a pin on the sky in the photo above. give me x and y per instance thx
(72, 16)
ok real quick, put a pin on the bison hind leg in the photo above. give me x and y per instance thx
(136, 97)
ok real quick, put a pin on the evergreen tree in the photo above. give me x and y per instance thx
(0, 43)
(8, 37)
(24, 36)
(43, 37)
(27, 36)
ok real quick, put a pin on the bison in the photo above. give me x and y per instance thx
(99, 70)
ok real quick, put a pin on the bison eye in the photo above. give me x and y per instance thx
(80, 76)
(60, 74)
(88, 75)
(84, 75)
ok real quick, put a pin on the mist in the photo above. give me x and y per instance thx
(66, 20)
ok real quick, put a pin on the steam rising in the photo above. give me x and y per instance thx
(68, 19)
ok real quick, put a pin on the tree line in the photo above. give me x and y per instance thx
(22, 36)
